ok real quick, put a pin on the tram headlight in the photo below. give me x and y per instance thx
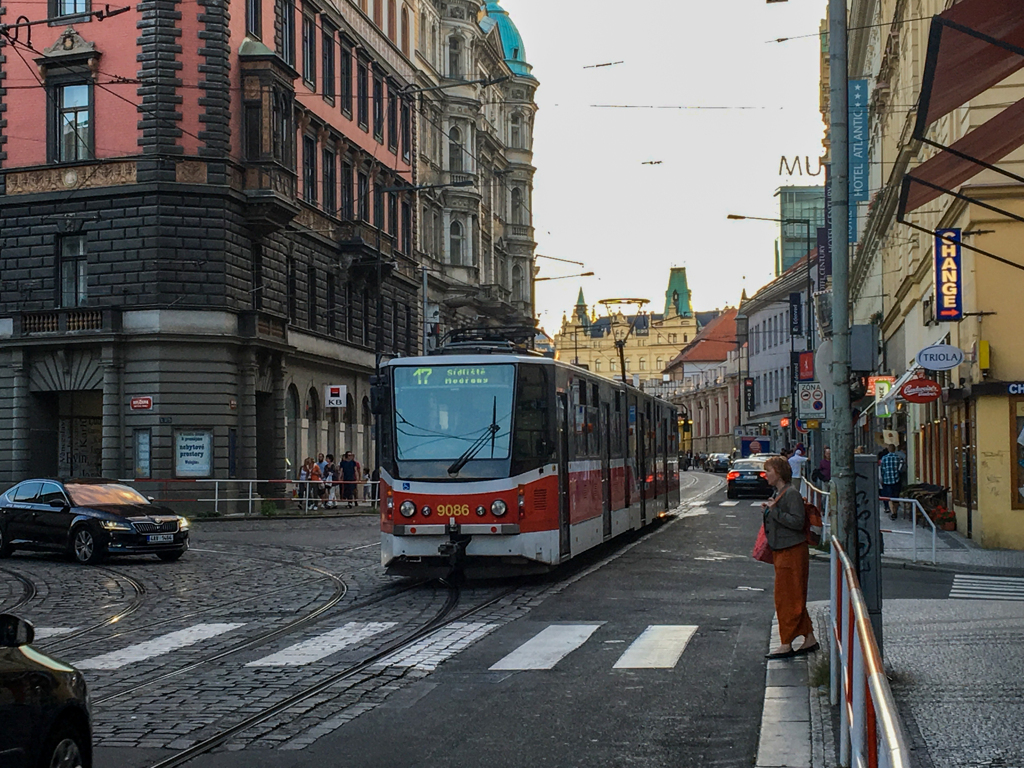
(425, 511)
(481, 511)
(408, 509)
(499, 508)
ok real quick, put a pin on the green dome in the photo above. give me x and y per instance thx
(511, 40)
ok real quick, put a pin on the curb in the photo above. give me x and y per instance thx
(965, 568)
(787, 738)
(256, 518)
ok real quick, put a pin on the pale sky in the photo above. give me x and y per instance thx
(595, 202)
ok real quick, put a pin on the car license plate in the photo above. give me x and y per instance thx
(160, 538)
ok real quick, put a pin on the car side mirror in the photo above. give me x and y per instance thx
(151, 499)
(15, 631)
(58, 503)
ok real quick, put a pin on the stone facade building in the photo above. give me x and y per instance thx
(192, 204)
(476, 116)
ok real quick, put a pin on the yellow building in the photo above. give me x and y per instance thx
(972, 439)
(656, 339)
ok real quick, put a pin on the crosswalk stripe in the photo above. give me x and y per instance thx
(756, 503)
(548, 647)
(322, 646)
(974, 587)
(42, 633)
(728, 504)
(158, 646)
(658, 647)
(438, 646)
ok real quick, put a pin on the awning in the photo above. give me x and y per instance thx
(972, 47)
(890, 399)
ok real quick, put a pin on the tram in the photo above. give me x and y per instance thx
(498, 461)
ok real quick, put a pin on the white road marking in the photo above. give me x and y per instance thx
(322, 646)
(438, 646)
(548, 647)
(158, 646)
(757, 503)
(42, 633)
(659, 647)
(971, 587)
(728, 504)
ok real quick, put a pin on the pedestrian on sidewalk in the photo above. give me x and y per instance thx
(785, 529)
(891, 467)
(348, 467)
(316, 485)
(331, 477)
(823, 474)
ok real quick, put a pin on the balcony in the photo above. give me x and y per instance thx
(361, 242)
(520, 232)
(270, 192)
(259, 325)
(61, 322)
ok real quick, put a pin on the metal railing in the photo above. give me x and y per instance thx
(870, 732)
(822, 500)
(915, 505)
(247, 496)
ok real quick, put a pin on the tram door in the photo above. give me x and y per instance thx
(564, 540)
(641, 459)
(606, 466)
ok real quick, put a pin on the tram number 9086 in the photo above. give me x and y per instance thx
(453, 510)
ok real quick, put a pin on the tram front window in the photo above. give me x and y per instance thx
(441, 411)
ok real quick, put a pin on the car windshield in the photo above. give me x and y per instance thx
(88, 495)
(748, 465)
(443, 410)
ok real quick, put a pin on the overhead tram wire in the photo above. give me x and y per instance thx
(851, 29)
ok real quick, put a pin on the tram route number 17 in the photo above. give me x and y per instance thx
(422, 375)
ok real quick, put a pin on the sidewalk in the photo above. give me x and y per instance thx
(953, 551)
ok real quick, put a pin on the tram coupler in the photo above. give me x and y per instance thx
(455, 548)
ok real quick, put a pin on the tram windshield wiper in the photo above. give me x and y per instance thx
(491, 432)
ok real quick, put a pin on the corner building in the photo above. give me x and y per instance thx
(201, 237)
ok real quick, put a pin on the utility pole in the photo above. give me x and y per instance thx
(842, 420)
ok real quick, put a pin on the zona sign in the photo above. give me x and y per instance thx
(920, 391)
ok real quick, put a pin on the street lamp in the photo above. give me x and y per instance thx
(807, 327)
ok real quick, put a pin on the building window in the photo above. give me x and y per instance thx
(366, 318)
(286, 8)
(643, 363)
(410, 331)
(328, 63)
(69, 7)
(364, 197)
(311, 308)
(392, 214)
(393, 117)
(253, 17)
(597, 366)
(406, 229)
(406, 131)
(282, 128)
(346, 79)
(405, 30)
(661, 364)
(455, 58)
(456, 243)
(73, 123)
(363, 93)
(257, 276)
(378, 204)
(518, 214)
(438, 236)
(293, 291)
(627, 363)
(350, 310)
(329, 162)
(455, 150)
(516, 132)
(74, 278)
(332, 303)
(394, 326)
(347, 191)
(378, 13)
(518, 284)
(378, 106)
(309, 169)
(392, 22)
(309, 50)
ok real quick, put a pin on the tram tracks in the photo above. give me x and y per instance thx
(28, 590)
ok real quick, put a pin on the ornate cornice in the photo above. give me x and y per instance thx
(62, 179)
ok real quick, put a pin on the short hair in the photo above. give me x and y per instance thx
(330, 457)
(892, 448)
(781, 467)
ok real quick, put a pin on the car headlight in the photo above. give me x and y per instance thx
(408, 509)
(183, 523)
(116, 525)
(499, 508)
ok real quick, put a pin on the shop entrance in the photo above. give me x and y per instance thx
(66, 437)
(266, 458)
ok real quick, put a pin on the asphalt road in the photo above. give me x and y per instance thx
(463, 696)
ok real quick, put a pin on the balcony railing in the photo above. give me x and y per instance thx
(62, 321)
(520, 232)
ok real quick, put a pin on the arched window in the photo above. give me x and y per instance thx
(518, 294)
(454, 58)
(405, 30)
(517, 206)
(456, 242)
(597, 366)
(313, 419)
(661, 364)
(643, 363)
(516, 132)
(455, 150)
(392, 21)
(627, 363)
(614, 365)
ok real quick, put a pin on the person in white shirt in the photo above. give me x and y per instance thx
(797, 462)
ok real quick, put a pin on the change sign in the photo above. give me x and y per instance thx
(948, 276)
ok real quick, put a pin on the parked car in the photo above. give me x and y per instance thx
(719, 462)
(88, 519)
(747, 478)
(44, 705)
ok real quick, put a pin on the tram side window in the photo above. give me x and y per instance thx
(533, 443)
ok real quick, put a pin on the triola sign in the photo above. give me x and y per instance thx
(940, 357)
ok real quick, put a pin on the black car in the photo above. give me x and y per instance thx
(88, 519)
(747, 478)
(44, 705)
(719, 462)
